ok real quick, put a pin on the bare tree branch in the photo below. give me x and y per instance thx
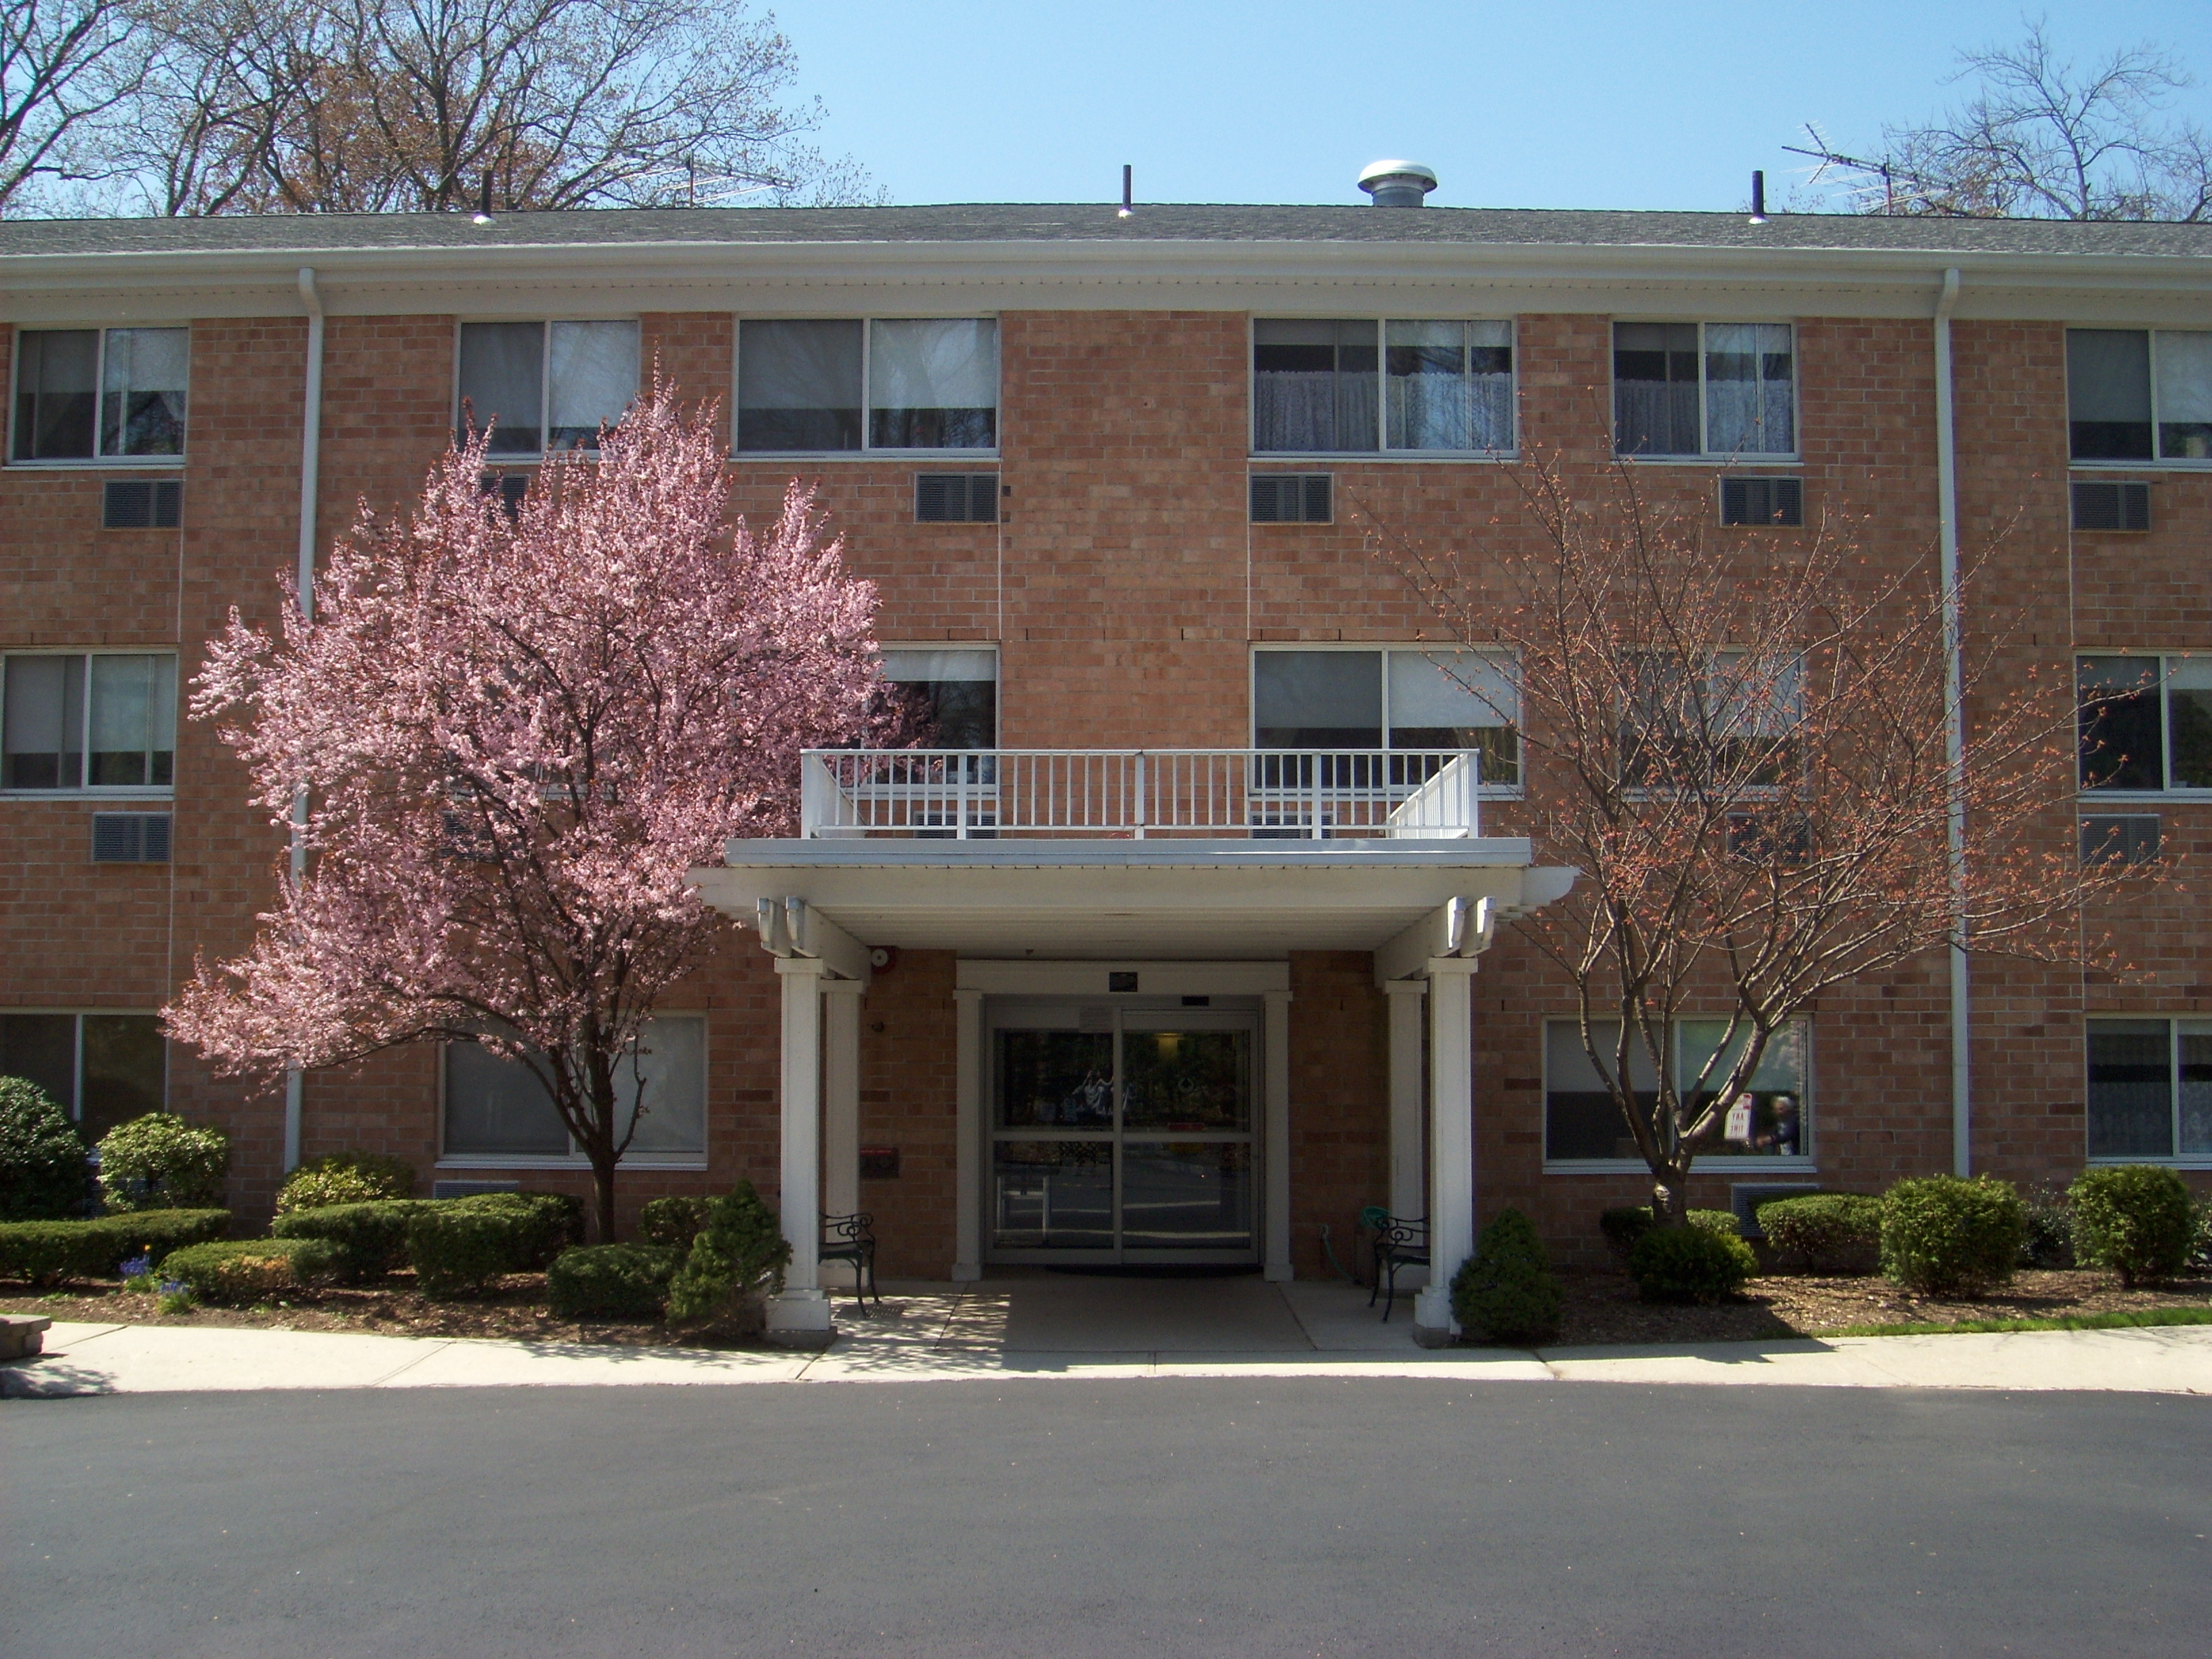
(64, 63)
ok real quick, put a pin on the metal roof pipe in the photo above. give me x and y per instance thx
(1954, 734)
(1398, 183)
(311, 451)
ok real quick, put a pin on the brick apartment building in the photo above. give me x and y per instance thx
(1099, 466)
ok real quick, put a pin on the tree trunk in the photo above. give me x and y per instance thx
(1670, 1198)
(602, 1216)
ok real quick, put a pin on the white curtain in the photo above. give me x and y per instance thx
(2184, 395)
(142, 391)
(594, 379)
(1454, 689)
(1750, 377)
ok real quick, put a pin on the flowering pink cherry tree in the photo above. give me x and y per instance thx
(515, 736)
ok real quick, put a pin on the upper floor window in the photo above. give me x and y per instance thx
(850, 383)
(541, 386)
(2146, 722)
(2138, 394)
(93, 393)
(102, 720)
(954, 692)
(1716, 389)
(1349, 387)
(1411, 698)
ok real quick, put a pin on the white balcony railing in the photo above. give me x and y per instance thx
(1278, 794)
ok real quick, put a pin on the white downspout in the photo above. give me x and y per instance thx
(1955, 733)
(311, 448)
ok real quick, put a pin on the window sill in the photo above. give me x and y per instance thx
(540, 1161)
(159, 792)
(102, 463)
(1292, 460)
(894, 456)
(2186, 1161)
(2186, 465)
(2091, 801)
(1729, 1165)
(1782, 462)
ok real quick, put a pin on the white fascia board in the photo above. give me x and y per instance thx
(1025, 976)
(1474, 853)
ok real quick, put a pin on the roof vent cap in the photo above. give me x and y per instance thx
(1397, 184)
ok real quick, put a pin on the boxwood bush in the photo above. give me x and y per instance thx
(738, 1258)
(45, 1170)
(1625, 1225)
(611, 1281)
(458, 1251)
(1505, 1292)
(1691, 1264)
(547, 1223)
(345, 1178)
(2138, 1219)
(1829, 1232)
(248, 1269)
(160, 1162)
(370, 1238)
(48, 1253)
(674, 1222)
(1948, 1236)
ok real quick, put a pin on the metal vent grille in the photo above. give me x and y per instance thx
(143, 504)
(1763, 500)
(130, 838)
(2120, 837)
(2101, 504)
(1292, 498)
(956, 498)
(509, 487)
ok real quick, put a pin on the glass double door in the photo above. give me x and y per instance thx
(1121, 1134)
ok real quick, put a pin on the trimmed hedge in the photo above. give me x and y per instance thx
(46, 1171)
(456, 1252)
(160, 1162)
(1505, 1292)
(738, 1258)
(1947, 1237)
(548, 1223)
(611, 1281)
(47, 1253)
(2138, 1219)
(377, 1238)
(345, 1178)
(1829, 1231)
(1691, 1264)
(1625, 1225)
(369, 1238)
(674, 1222)
(248, 1269)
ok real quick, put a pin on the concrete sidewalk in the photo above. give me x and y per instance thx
(1094, 1330)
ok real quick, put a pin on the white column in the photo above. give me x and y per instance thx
(968, 1090)
(1275, 1151)
(1409, 1188)
(1451, 1151)
(800, 1316)
(840, 1102)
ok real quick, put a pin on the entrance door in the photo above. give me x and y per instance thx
(1123, 1134)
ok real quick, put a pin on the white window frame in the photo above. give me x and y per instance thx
(2153, 461)
(2173, 1160)
(1484, 790)
(867, 451)
(1804, 1161)
(574, 1158)
(2088, 798)
(544, 382)
(73, 1107)
(81, 790)
(81, 463)
(1706, 456)
(1381, 452)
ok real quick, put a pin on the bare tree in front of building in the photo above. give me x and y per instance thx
(517, 738)
(1745, 752)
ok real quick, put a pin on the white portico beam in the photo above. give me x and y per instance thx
(1409, 1191)
(1451, 1149)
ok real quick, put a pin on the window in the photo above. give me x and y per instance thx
(1444, 387)
(924, 383)
(2138, 394)
(101, 1069)
(97, 394)
(1763, 502)
(543, 386)
(497, 1111)
(956, 498)
(2146, 722)
(97, 721)
(956, 692)
(2150, 1089)
(1705, 389)
(1581, 1124)
(1733, 731)
(1292, 498)
(1407, 699)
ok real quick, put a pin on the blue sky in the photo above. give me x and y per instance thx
(1593, 105)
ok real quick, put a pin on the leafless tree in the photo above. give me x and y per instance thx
(2040, 139)
(64, 64)
(428, 106)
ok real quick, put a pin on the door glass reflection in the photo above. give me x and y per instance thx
(1188, 1081)
(1186, 1195)
(1053, 1195)
(1055, 1080)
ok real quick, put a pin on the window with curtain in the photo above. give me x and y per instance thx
(2150, 1089)
(98, 394)
(497, 1109)
(91, 720)
(1582, 1124)
(934, 384)
(2135, 394)
(1355, 385)
(922, 383)
(1698, 389)
(546, 385)
(1413, 699)
(2146, 722)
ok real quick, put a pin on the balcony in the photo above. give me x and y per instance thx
(1265, 794)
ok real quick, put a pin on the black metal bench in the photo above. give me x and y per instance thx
(1397, 1242)
(853, 1238)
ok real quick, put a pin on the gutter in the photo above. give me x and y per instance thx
(1954, 734)
(310, 455)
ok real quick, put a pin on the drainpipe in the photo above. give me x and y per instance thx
(311, 446)
(1955, 733)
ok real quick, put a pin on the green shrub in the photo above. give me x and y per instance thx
(46, 1173)
(550, 1222)
(1690, 1264)
(2048, 1241)
(674, 1222)
(1505, 1292)
(2136, 1218)
(248, 1269)
(1625, 1225)
(1827, 1231)
(611, 1281)
(48, 1253)
(2200, 1252)
(160, 1162)
(1948, 1236)
(370, 1238)
(738, 1258)
(345, 1178)
(457, 1251)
